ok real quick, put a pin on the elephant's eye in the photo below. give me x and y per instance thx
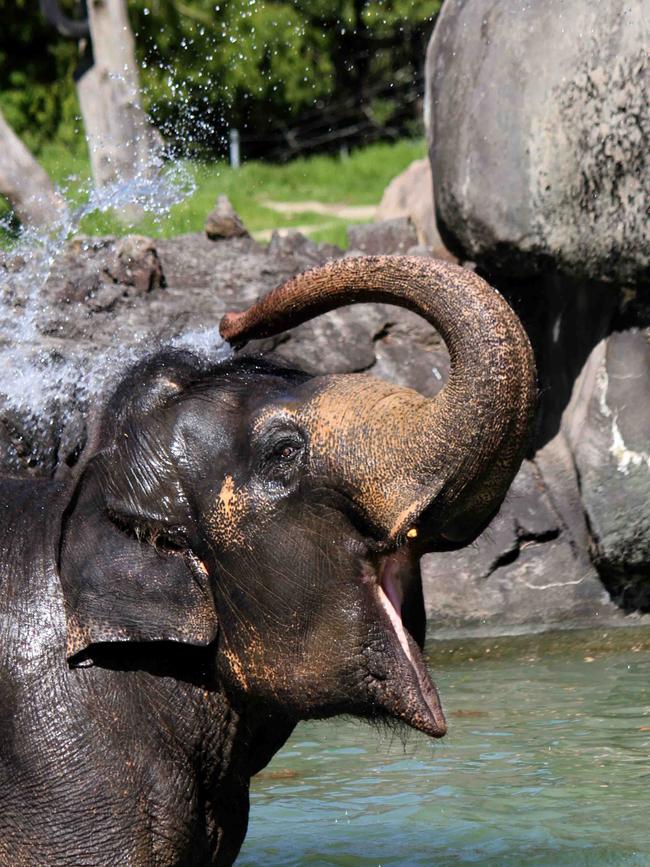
(280, 457)
(286, 451)
(279, 447)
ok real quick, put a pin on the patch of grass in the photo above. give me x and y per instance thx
(356, 179)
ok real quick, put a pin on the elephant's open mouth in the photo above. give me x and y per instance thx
(407, 692)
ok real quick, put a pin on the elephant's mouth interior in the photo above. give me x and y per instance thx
(417, 703)
(391, 596)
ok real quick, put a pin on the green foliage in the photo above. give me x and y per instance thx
(36, 92)
(285, 72)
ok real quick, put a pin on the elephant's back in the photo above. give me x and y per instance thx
(32, 618)
(32, 652)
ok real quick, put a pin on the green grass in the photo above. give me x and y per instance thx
(357, 179)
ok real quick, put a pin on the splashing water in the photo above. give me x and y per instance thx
(47, 382)
(154, 190)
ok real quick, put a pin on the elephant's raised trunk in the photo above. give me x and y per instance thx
(443, 464)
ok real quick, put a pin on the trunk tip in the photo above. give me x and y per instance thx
(231, 325)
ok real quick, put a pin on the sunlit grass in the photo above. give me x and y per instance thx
(356, 179)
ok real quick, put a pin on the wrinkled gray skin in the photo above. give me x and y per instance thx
(137, 695)
(104, 766)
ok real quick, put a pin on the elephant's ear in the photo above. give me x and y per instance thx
(118, 587)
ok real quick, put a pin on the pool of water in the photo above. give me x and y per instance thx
(547, 762)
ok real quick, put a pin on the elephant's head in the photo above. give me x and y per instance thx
(279, 517)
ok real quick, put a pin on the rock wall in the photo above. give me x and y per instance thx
(108, 302)
(539, 127)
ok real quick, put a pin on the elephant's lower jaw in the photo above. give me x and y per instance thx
(404, 689)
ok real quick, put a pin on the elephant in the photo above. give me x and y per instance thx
(236, 551)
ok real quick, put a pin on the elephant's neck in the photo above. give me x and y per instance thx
(246, 742)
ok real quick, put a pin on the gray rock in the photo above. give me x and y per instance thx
(524, 572)
(224, 222)
(293, 243)
(410, 194)
(540, 135)
(608, 427)
(102, 272)
(408, 351)
(388, 236)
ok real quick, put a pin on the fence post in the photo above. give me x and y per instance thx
(234, 148)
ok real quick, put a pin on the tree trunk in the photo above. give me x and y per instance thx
(25, 184)
(121, 142)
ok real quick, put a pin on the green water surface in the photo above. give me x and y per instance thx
(547, 762)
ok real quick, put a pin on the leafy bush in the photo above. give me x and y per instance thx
(292, 75)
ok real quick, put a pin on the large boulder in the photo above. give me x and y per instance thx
(540, 123)
(397, 235)
(527, 570)
(539, 135)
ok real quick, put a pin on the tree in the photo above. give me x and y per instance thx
(121, 142)
(291, 75)
(25, 184)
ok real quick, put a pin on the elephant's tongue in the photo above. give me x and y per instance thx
(407, 691)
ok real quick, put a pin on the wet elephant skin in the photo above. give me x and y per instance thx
(211, 575)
